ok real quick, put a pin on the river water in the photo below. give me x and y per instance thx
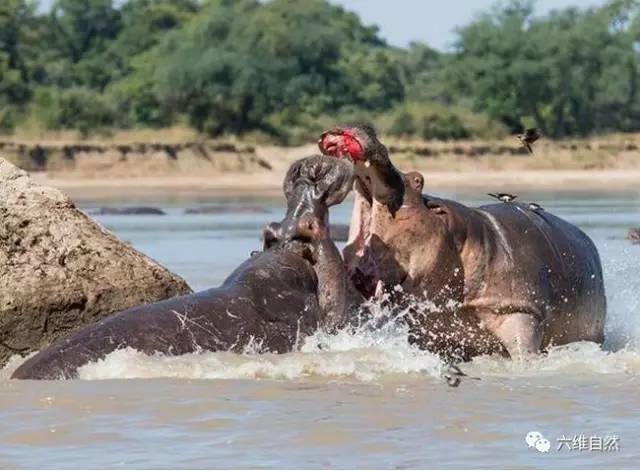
(365, 400)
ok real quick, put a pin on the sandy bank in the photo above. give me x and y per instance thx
(236, 184)
(143, 166)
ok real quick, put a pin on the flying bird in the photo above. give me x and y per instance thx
(504, 197)
(529, 137)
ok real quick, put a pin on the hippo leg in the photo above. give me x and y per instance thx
(521, 334)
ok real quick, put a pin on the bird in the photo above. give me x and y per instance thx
(527, 138)
(504, 197)
(535, 207)
(453, 375)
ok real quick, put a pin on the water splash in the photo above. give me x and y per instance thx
(575, 359)
(375, 350)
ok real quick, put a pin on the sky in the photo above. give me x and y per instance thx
(430, 21)
(433, 21)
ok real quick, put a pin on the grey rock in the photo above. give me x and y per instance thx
(60, 270)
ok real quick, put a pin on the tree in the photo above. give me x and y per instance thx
(238, 63)
(16, 51)
(78, 33)
(286, 68)
(572, 72)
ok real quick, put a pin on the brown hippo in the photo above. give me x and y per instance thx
(505, 277)
(269, 303)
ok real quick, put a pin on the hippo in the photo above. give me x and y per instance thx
(268, 304)
(504, 278)
(306, 220)
(129, 211)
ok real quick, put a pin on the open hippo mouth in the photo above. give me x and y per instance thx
(341, 143)
(373, 169)
(345, 143)
(380, 190)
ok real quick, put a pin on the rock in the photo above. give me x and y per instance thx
(60, 270)
(634, 235)
(225, 209)
(129, 211)
(339, 232)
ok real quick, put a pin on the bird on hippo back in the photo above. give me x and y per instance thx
(500, 278)
(268, 304)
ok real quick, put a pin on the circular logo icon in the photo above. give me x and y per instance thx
(532, 438)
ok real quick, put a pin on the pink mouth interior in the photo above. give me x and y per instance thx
(342, 144)
(365, 274)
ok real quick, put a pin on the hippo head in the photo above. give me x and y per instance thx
(311, 186)
(378, 178)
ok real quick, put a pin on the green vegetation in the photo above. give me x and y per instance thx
(284, 69)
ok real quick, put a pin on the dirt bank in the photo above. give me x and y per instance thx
(160, 164)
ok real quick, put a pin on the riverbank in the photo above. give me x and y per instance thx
(173, 162)
(269, 184)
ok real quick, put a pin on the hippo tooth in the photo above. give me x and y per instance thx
(367, 163)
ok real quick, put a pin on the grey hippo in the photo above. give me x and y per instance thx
(270, 302)
(501, 278)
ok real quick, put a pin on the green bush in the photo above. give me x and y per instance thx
(7, 119)
(75, 108)
(443, 127)
(436, 121)
(403, 124)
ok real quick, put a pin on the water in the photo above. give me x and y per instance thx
(369, 400)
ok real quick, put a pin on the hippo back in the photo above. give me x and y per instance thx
(549, 261)
(269, 300)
